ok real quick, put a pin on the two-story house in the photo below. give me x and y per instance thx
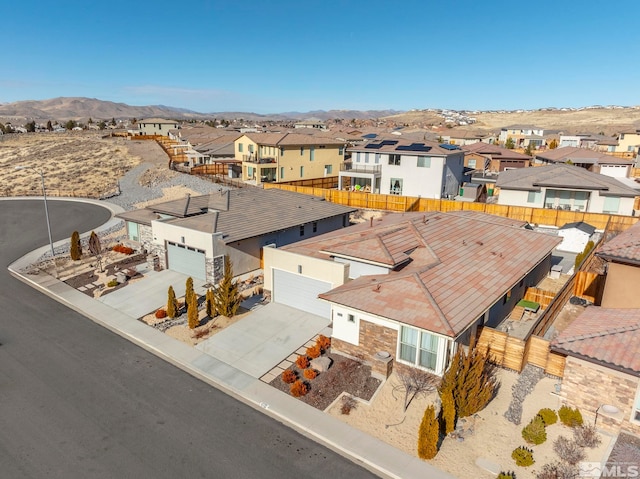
(493, 158)
(566, 187)
(156, 126)
(277, 157)
(405, 167)
(522, 135)
(628, 142)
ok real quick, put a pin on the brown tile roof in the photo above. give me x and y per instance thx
(610, 337)
(580, 155)
(625, 247)
(494, 151)
(293, 139)
(562, 175)
(461, 265)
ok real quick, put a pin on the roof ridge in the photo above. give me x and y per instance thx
(606, 332)
(433, 303)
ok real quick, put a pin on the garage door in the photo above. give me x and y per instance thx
(300, 292)
(186, 260)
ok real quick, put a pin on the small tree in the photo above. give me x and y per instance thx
(209, 300)
(172, 303)
(510, 144)
(188, 292)
(95, 248)
(428, 435)
(227, 295)
(70, 124)
(553, 144)
(75, 248)
(414, 381)
(192, 311)
(472, 380)
(529, 149)
(49, 126)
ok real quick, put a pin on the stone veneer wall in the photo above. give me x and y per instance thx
(146, 238)
(373, 339)
(588, 386)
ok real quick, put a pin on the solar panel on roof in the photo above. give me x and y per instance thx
(370, 136)
(374, 146)
(389, 142)
(414, 147)
(447, 146)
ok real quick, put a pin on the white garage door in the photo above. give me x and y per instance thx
(186, 260)
(300, 292)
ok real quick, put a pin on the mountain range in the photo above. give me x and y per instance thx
(81, 109)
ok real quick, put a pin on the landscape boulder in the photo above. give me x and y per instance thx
(321, 364)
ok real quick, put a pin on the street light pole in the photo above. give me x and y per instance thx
(46, 207)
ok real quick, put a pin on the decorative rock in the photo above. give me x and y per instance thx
(522, 388)
(321, 364)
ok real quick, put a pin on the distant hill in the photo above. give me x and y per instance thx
(79, 108)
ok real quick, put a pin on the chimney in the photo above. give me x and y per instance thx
(186, 204)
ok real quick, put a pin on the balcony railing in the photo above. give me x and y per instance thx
(360, 168)
(258, 160)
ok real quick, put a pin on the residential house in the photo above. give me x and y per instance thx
(591, 160)
(193, 234)
(567, 187)
(312, 123)
(602, 367)
(411, 286)
(629, 142)
(277, 157)
(405, 167)
(156, 126)
(575, 236)
(493, 158)
(601, 143)
(522, 136)
(622, 256)
(466, 137)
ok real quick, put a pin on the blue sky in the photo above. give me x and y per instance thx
(268, 57)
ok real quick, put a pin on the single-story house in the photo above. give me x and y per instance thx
(493, 158)
(602, 367)
(193, 234)
(575, 236)
(567, 187)
(592, 160)
(413, 286)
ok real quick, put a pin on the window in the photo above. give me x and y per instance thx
(301, 230)
(419, 347)
(636, 408)
(341, 151)
(312, 152)
(396, 186)
(282, 172)
(301, 171)
(424, 162)
(394, 160)
(580, 200)
(470, 163)
(366, 157)
(358, 157)
(611, 205)
(506, 297)
(328, 169)
(281, 151)
(377, 160)
(301, 150)
(534, 196)
(240, 147)
(315, 226)
(351, 318)
(250, 148)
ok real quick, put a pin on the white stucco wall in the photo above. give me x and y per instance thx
(357, 269)
(424, 182)
(167, 232)
(615, 171)
(573, 240)
(316, 268)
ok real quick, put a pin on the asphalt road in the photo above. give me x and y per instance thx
(77, 401)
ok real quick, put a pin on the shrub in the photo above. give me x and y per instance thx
(119, 248)
(211, 310)
(523, 456)
(472, 380)
(348, 403)
(447, 412)
(534, 432)
(557, 470)
(323, 342)
(314, 352)
(586, 436)
(548, 416)
(310, 373)
(161, 313)
(113, 283)
(299, 388)
(192, 311)
(302, 362)
(506, 475)
(226, 297)
(570, 417)
(75, 248)
(428, 435)
(568, 450)
(172, 303)
(289, 376)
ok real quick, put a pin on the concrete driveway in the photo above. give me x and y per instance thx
(265, 338)
(149, 293)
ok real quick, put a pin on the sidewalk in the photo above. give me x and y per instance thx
(372, 453)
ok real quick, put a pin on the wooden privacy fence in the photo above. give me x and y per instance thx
(213, 169)
(514, 353)
(540, 296)
(328, 182)
(588, 285)
(541, 216)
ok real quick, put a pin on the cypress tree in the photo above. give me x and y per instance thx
(75, 248)
(211, 310)
(172, 303)
(226, 296)
(192, 311)
(428, 435)
(447, 411)
(188, 293)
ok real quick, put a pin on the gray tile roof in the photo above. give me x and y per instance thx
(562, 176)
(580, 155)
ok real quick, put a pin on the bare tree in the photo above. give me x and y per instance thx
(414, 382)
(95, 248)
